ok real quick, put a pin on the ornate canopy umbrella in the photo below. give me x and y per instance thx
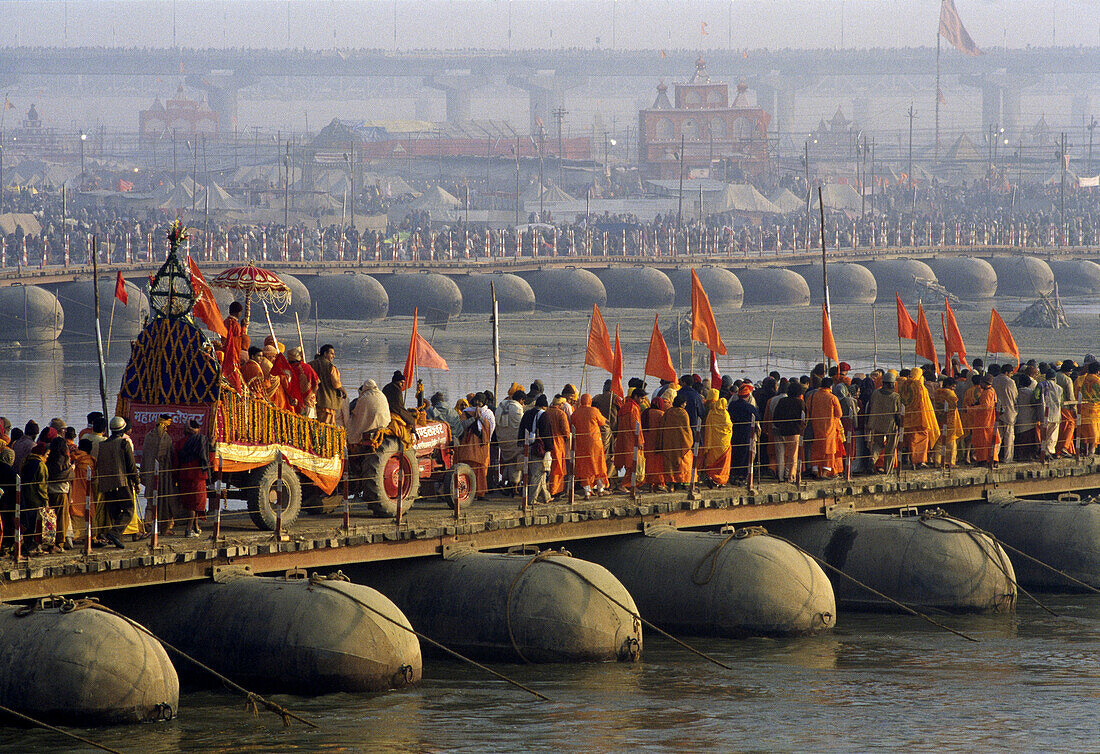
(265, 284)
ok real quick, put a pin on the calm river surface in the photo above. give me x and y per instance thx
(878, 682)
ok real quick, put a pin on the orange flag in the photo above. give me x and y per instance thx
(410, 359)
(952, 337)
(617, 367)
(925, 346)
(598, 353)
(658, 362)
(205, 307)
(907, 328)
(426, 357)
(1000, 339)
(948, 368)
(703, 327)
(828, 345)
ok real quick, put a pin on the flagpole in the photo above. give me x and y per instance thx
(874, 333)
(496, 340)
(111, 325)
(768, 358)
(98, 330)
(824, 269)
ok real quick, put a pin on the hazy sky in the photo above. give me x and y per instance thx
(692, 24)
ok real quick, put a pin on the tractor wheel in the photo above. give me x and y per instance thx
(461, 485)
(263, 495)
(387, 472)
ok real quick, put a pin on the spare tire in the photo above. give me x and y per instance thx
(461, 486)
(388, 471)
(261, 495)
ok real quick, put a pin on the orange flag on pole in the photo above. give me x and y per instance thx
(658, 361)
(907, 328)
(410, 359)
(828, 345)
(598, 353)
(952, 336)
(925, 346)
(205, 307)
(617, 367)
(703, 327)
(120, 289)
(426, 357)
(948, 367)
(1000, 339)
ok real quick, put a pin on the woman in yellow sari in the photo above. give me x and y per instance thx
(717, 435)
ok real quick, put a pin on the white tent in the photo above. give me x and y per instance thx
(435, 198)
(787, 201)
(743, 197)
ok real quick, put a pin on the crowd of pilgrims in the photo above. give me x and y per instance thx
(824, 424)
(1030, 216)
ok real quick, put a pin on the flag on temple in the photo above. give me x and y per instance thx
(617, 367)
(703, 327)
(828, 345)
(120, 289)
(205, 307)
(1000, 340)
(925, 346)
(598, 353)
(952, 29)
(658, 361)
(952, 336)
(907, 328)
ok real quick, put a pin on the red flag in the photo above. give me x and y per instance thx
(952, 29)
(703, 327)
(925, 346)
(598, 353)
(907, 328)
(658, 361)
(828, 345)
(410, 359)
(952, 337)
(1000, 340)
(120, 289)
(426, 357)
(617, 367)
(715, 375)
(205, 306)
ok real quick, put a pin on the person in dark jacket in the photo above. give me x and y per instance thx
(118, 479)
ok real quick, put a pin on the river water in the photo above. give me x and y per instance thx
(877, 682)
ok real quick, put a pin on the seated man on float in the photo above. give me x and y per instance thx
(402, 421)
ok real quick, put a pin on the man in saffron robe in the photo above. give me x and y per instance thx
(1088, 408)
(921, 429)
(560, 444)
(651, 419)
(676, 439)
(628, 436)
(945, 402)
(1068, 425)
(983, 424)
(306, 381)
(590, 463)
(715, 447)
(826, 457)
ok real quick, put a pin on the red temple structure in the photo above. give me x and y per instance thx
(721, 139)
(187, 117)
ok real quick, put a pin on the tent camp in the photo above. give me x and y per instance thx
(788, 202)
(838, 196)
(547, 193)
(11, 222)
(435, 198)
(743, 197)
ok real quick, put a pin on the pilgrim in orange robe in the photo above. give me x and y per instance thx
(590, 463)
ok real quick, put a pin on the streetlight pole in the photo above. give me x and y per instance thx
(680, 201)
(1091, 127)
(909, 171)
(83, 138)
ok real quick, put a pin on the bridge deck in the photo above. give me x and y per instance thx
(53, 274)
(427, 530)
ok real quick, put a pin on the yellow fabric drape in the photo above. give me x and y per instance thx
(717, 431)
(919, 414)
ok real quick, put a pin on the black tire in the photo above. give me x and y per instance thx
(374, 488)
(461, 485)
(260, 496)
